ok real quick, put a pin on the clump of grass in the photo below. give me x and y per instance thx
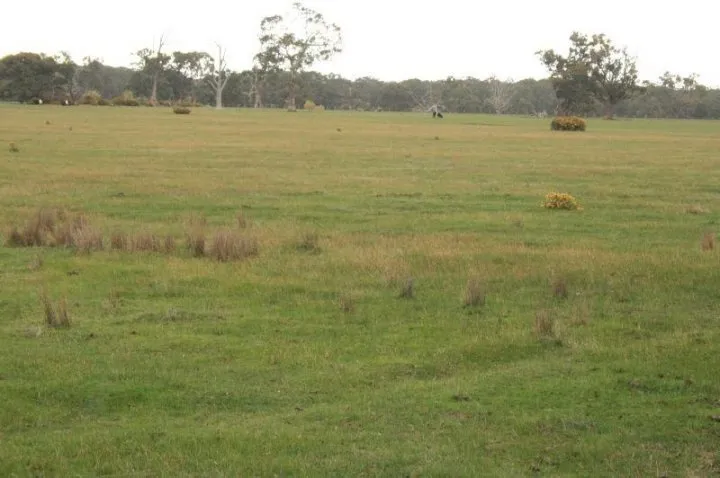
(119, 241)
(346, 303)
(181, 110)
(36, 263)
(559, 287)
(87, 239)
(408, 289)
(146, 242)
(474, 293)
(696, 209)
(229, 245)
(308, 242)
(55, 317)
(561, 201)
(13, 148)
(544, 326)
(242, 220)
(195, 241)
(169, 245)
(708, 241)
(13, 238)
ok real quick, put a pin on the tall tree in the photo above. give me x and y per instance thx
(501, 94)
(294, 51)
(152, 62)
(218, 76)
(593, 70)
(27, 75)
(193, 66)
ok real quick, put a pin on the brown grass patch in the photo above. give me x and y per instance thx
(544, 326)
(229, 245)
(13, 148)
(195, 241)
(169, 245)
(119, 241)
(242, 220)
(36, 263)
(308, 242)
(87, 239)
(408, 289)
(146, 242)
(696, 209)
(55, 317)
(346, 303)
(559, 287)
(708, 241)
(474, 293)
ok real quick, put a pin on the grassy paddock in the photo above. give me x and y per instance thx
(409, 309)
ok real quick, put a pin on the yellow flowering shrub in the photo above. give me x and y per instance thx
(561, 201)
(568, 123)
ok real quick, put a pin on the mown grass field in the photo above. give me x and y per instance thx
(305, 361)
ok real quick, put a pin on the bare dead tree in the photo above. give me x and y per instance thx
(501, 93)
(218, 76)
(152, 61)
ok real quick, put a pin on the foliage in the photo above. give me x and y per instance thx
(294, 51)
(181, 110)
(126, 99)
(593, 70)
(91, 97)
(309, 105)
(556, 200)
(568, 123)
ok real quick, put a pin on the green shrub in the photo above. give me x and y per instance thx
(91, 97)
(568, 123)
(309, 105)
(126, 99)
(556, 200)
(181, 110)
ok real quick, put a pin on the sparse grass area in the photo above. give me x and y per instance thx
(174, 361)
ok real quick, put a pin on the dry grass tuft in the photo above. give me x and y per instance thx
(474, 293)
(346, 303)
(36, 263)
(228, 245)
(13, 148)
(242, 220)
(13, 238)
(87, 239)
(308, 242)
(559, 288)
(119, 241)
(696, 209)
(146, 242)
(55, 317)
(169, 244)
(195, 241)
(544, 326)
(408, 289)
(708, 241)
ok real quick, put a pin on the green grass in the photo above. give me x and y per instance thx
(182, 366)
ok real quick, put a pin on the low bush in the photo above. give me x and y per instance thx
(181, 110)
(309, 105)
(561, 201)
(93, 98)
(126, 99)
(568, 123)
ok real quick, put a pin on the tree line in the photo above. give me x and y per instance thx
(594, 78)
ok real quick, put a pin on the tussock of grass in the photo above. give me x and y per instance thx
(146, 242)
(696, 209)
(408, 289)
(56, 317)
(228, 245)
(544, 326)
(195, 241)
(474, 293)
(346, 302)
(119, 241)
(559, 287)
(308, 242)
(708, 241)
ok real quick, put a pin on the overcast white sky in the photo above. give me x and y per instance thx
(387, 39)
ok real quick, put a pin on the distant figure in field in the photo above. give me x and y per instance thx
(436, 111)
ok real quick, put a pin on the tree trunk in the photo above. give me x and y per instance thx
(153, 95)
(291, 93)
(609, 111)
(218, 98)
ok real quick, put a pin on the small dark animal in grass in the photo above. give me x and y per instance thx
(436, 111)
